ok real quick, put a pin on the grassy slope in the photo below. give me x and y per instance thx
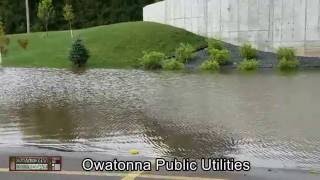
(112, 46)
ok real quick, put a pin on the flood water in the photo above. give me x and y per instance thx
(270, 119)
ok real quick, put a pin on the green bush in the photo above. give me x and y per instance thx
(215, 44)
(285, 64)
(286, 53)
(3, 45)
(184, 52)
(79, 54)
(152, 60)
(210, 65)
(4, 51)
(172, 64)
(287, 59)
(4, 40)
(248, 65)
(23, 43)
(2, 30)
(248, 52)
(221, 56)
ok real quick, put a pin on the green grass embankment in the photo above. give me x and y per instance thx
(111, 46)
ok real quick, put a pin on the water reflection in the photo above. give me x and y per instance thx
(40, 120)
(177, 141)
(59, 122)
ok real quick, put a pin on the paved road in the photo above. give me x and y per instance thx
(78, 175)
(72, 171)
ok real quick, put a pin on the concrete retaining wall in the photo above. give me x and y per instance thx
(267, 24)
(155, 12)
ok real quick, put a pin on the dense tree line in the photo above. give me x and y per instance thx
(87, 12)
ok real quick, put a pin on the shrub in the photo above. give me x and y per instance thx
(2, 29)
(248, 52)
(172, 64)
(4, 51)
(2, 47)
(285, 64)
(215, 44)
(79, 54)
(286, 53)
(248, 65)
(184, 52)
(221, 56)
(287, 59)
(23, 43)
(152, 60)
(210, 65)
(4, 42)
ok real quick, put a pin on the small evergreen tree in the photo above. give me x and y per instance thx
(79, 54)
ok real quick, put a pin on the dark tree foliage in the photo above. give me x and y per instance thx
(87, 13)
(79, 54)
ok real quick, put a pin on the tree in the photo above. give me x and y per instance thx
(45, 12)
(79, 54)
(2, 32)
(68, 16)
(3, 41)
(92, 13)
(28, 16)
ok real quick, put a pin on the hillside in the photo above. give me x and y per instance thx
(111, 46)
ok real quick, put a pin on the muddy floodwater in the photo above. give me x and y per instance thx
(271, 119)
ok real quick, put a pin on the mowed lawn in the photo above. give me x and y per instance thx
(111, 46)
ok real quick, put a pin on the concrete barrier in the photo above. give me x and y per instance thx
(155, 12)
(268, 24)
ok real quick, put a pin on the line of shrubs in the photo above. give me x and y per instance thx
(5, 41)
(157, 60)
(219, 55)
